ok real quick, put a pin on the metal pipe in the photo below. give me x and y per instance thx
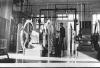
(52, 4)
(58, 9)
(65, 4)
(27, 4)
(39, 25)
(84, 14)
(81, 19)
(55, 10)
(47, 11)
(75, 21)
(42, 17)
(75, 24)
(78, 20)
(21, 4)
(31, 9)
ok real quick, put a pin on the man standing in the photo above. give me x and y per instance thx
(62, 35)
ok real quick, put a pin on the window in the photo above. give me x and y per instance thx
(64, 17)
(37, 23)
(71, 17)
(42, 19)
(95, 17)
(59, 17)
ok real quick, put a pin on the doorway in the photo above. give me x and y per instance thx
(66, 25)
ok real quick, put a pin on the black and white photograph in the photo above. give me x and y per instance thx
(49, 33)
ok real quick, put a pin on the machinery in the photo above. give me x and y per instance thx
(49, 30)
(48, 40)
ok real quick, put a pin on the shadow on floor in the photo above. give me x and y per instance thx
(90, 54)
(5, 60)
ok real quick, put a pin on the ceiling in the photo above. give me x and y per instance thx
(60, 1)
(91, 5)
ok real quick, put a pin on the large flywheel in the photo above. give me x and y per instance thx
(25, 34)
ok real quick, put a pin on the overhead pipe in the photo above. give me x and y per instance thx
(50, 4)
(58, 9)
(42, 17)
(84, 14)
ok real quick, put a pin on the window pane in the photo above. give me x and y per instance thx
(94, 18)
(70, 17)
(59, 15)
(59, 18)
(77, 16)
(64, 15)
(64, 18)
(42, 19)
(98, 16)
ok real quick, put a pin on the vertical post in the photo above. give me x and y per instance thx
(48, 39)
(75, 22)
(54, 28)
(47, 11)
(84, 15)
(81, 20)
(31, 9)
(21, 4)
(26, 6)
(39, 25)
(48, 34)
(78, 19)
(55, 10)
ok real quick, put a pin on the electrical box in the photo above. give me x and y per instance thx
(3, 47)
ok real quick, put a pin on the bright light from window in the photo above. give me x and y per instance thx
(98, 16)
(59, 15)
(70, 17)
(59, 18)
(64, 17)
(77, 16)
(41, 15)
(94, 18)
(42, 19)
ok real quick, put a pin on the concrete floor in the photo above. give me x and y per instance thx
(34, 60)
(83, 57)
